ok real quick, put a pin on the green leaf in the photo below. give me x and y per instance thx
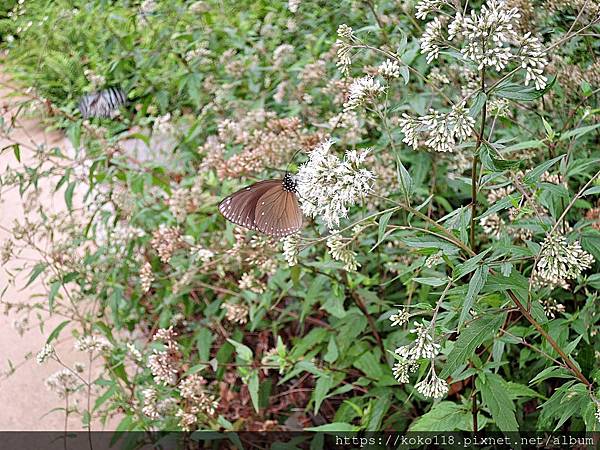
(492, 163)
(444, 416)
(69, 195)
(514, 91)
(332, 351)
(17, 151)
(431, 281)
(534, 174)
(480, 100)
(382, 405)
(469, 339)
(498, 400)
(405, 180)
(322, 387)
(383, 221)
(35, 272)
(551, 372)
(523, 146)
(469, 265)
(243, 351)
(334, 427)
(253, 386)
(57, 331)
(475, 285)
(578, 132)
(591, 191)
(54, 287)
(405, 74)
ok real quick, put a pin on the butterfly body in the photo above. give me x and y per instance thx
(269, 206)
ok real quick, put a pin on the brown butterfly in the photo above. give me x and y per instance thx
(269, 206)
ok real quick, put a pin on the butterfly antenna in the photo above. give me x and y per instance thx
(291, 160)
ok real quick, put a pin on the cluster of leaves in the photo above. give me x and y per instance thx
(330, 328)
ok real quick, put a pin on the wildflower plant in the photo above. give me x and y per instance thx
(445, 161)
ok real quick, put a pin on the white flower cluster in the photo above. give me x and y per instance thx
(442, 131)
(361, 91)
(424, 7)
(146, 277)
(63, 382)
(201, 253)
(424, 346)
(328, 186)
(193, 389)
(91, 344)
(402, 370)
(533, 60)
(45, 353)
(293, 5)
(432, 386)
(163, 363)
(560, 260)
(235, 312)
(400, 318)
(338, 249)
(344, 48)
(487, 34)
(389, 69)
(489, 38)
(291, 248)
(433, 39)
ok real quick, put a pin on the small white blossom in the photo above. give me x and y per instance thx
(345, 32)
(235, 312)
(146, 277)
(201, 253)
(134, 353)
(442, 131)
(45, 353)
(400, 318)
(293, 5)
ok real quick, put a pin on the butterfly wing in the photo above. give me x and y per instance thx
(240, 207)
(278, 213)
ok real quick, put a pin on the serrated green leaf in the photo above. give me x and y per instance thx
(469, 339)
(496, 397)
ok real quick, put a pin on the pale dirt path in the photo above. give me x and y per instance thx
(25, 401)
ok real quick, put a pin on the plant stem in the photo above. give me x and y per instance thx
(474, 177)
(363, 308)
(548, 338)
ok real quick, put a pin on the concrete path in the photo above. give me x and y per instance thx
(25, 401)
